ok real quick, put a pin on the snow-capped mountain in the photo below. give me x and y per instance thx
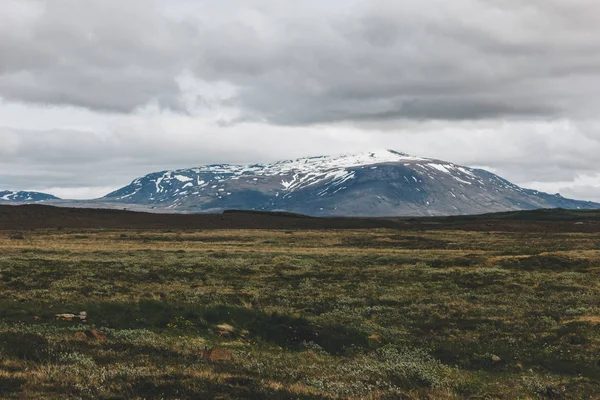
(375, 183)
(25, 197)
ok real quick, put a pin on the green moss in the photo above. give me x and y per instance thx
(352, 314)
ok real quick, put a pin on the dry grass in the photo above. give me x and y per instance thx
(304, 314)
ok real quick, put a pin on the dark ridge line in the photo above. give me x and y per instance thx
(37, 216)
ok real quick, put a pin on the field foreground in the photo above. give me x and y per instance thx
(378, 313)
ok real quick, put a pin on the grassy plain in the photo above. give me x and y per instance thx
(329, 314)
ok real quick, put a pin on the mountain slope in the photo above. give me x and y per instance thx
(377, 183)
(25, 197)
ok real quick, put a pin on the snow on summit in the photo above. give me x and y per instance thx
(297, 173)
(312, 164)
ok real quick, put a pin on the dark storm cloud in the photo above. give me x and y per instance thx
(309, 63)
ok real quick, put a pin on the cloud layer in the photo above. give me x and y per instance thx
(467, 59)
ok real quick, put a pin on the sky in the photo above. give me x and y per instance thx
(96, 93)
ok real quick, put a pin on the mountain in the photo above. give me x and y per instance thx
(376, 183)
(25, 197)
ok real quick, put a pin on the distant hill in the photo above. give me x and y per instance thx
(375, 183)
(25, 197)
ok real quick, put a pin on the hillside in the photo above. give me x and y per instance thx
(378, 183)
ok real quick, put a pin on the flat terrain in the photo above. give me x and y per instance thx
(259, 306)
(47, 217)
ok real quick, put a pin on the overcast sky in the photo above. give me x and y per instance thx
(96, 93)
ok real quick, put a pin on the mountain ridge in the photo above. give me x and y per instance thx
(372, 183)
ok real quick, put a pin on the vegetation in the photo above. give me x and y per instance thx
(364, 314)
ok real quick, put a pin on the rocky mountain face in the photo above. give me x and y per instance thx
(25, 197)
(376, 183)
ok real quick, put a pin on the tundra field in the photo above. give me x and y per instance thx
(506, 307)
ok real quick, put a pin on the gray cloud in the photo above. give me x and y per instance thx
(466, 60)
(309, 63)
(102, 55)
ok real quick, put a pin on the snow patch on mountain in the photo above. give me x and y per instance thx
(295, 174)
(25, 197)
